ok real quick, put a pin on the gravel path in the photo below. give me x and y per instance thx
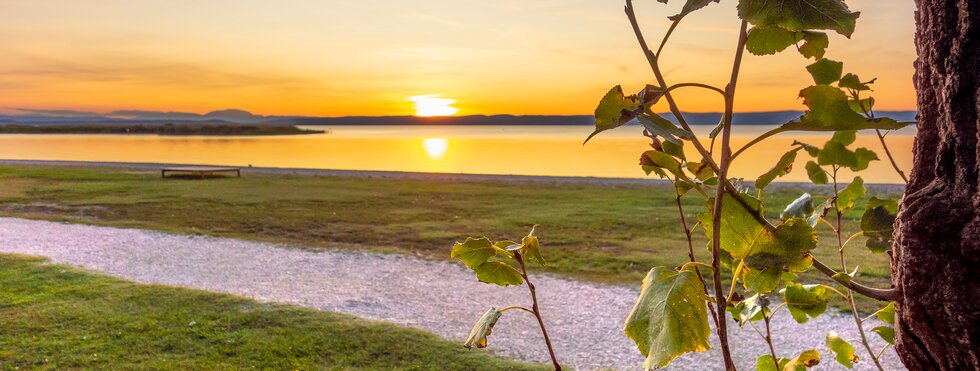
(439, 296)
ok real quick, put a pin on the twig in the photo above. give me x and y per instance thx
(843, 266)
(537, 311)
(891, 159)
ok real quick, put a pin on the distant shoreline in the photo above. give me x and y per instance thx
(162, 129)
(406, 175)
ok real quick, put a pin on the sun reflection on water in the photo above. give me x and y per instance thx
(435, 147)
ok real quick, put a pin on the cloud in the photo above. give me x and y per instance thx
(149, 71)
(57, 112)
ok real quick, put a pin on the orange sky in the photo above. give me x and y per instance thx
(344, 57)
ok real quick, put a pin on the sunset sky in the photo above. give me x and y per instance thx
(337, 58)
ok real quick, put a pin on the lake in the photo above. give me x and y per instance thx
(518, 150)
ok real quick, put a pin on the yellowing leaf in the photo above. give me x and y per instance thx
(482, 329)
(474, 251)
(670, 317)
(615, 110)
(783, 166)
(805, 360)
(498, 273)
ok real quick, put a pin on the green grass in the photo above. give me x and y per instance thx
(56, 317)
(606, 233)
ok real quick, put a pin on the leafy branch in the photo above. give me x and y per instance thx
(494, 263)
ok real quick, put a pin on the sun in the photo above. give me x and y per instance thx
(435, 147)
(431, 105)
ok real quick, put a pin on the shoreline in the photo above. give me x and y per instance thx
(407, 175)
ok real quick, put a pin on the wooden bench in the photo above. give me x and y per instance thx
(200, 171)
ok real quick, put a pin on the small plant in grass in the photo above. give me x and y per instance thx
(502, 263)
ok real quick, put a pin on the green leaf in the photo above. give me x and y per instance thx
(662, 127)
(842, 278)
(805, 301)
(863, 158)
(887, 314)
(852, 81)
(765, 363)
(878, 223)
(886, 332)
(769, 40)
(749, 310)
(767, 252)
(615, 110)
(813, 151)
(862, 106)
(836, 153)
(474, 251)
(676, 150)
(850, 194)
(482, 329)
(689, 6)
(670, 317)
(845, 137)
(663, 161)
(806, 359)
(829, 111)
(815, 44)
(801, 207)
(825, 71)
(816, 173)
(800, 15)
(783, 166)
(844, 351)
(498, 273)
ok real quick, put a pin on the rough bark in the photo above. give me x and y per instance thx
(937, 248)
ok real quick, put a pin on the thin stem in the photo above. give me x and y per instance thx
(853, 236)
(882, 351)
(726, 139)
(695, 265)
(738, 271)
(537, 311)
(693, 259)
(758, 139)
(518, 307)
(675, 110)
(670, 31)
(772, 350)
(871, 292)
(697, 85)
(831, 288)
(843, 266)
(891, 159)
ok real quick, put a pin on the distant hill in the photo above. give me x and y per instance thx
(235, 116)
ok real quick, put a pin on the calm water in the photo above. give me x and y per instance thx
(523, 150)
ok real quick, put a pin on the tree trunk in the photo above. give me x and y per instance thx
(936, 261)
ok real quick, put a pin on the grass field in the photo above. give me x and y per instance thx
(56, 317)
(601, 232)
